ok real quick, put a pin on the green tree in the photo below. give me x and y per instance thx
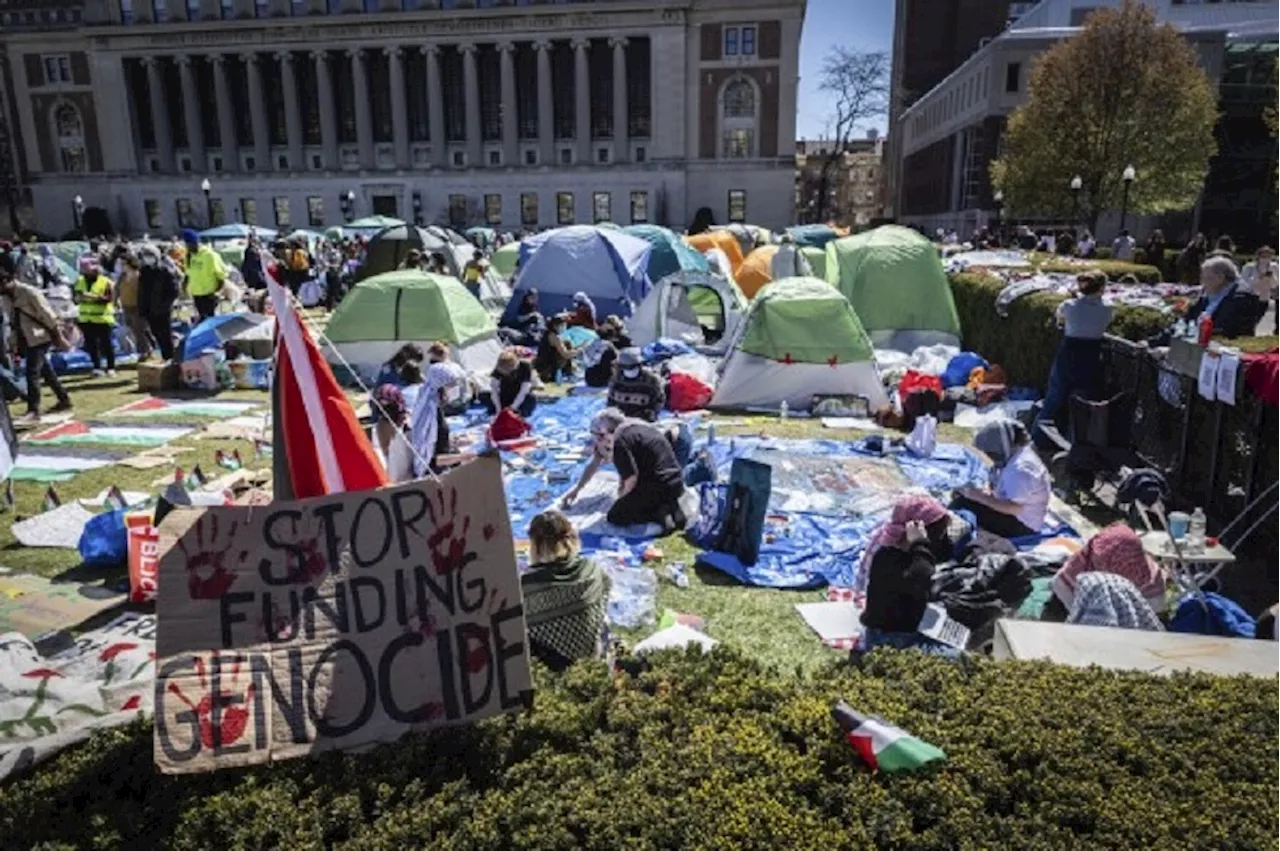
(1124, 91)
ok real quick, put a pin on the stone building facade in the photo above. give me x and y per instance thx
(300, 113)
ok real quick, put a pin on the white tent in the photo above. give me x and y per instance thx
(800, 338)
(683, 304)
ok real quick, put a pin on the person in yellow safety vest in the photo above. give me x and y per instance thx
(205, 274)
(473, 272)
(97, 317)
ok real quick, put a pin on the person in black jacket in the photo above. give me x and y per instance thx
(1235, 310)
(157, 291)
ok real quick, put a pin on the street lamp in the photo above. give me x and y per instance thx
(1076, 184)
(77, 210)
(998, 200)
(1129, 176)
(417, 209)
(349, 205)
(206, 187)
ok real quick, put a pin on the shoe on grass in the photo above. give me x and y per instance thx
(97, 373)
(60, 407)
(111, 373)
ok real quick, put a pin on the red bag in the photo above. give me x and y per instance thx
(919, 381)
(687, 393)
(508, 425)
(144, 558)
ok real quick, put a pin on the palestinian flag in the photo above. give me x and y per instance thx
(881, 745)
(51, 500)
(326, 451)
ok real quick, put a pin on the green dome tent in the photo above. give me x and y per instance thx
(893, 278)
(386, 311)
(800, 338)
(505, 258)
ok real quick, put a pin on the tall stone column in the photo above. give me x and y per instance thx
(328, 116)
(364, 117)
(510, 110)
(621, 145)
(226, 114)
(292, 111)
(546, 106)
(159, 113)
(435, 105)
(257, 113)
(191, 115)
(471, 85)
(399, 108)
(582, 99)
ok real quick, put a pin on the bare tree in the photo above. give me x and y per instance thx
(858, 86)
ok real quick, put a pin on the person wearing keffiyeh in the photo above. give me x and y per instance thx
(565, 594)
(1117, 550)
(1105, 599)
(428, 431)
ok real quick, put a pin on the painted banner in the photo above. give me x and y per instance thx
(336, 622)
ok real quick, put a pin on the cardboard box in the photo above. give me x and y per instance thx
(157, 377)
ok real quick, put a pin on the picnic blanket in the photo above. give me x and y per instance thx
(158, 406)
(48, 703)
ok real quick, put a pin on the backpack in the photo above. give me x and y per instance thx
(298, 261)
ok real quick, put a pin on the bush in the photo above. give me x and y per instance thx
(719, 753)
(1025, 341)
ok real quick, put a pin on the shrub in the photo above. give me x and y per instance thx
(714, 753)
(1025, 341)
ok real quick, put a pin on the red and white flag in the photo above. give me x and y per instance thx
(319, 446)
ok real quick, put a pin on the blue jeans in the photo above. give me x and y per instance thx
(1075, 370)
(874, 638)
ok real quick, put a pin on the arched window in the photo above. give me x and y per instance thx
(69, 131)
(738, 111)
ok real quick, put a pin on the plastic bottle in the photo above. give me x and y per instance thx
(784, 410)
(1206, 329)
(676, 573)
(632, 596)
(711, 434)
(1196, 531)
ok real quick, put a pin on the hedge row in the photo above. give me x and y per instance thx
(720, 753)
(1113, 269)
(1025, 341)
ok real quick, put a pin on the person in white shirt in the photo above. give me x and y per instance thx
(1259, 274)
(1122, 247)
(787, 261)
(1018, 502)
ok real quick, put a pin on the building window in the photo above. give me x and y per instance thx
(282, 162)
(151, 211)
(249, 211)
(564, 208)
(161, 8)
(216, 214)
(250, 163)
(226, 9)
(261, 8)
(737, 205)
(315, 211)
(298, 8)
(184, 212)
(193, 10)
(730, 41)
(529, 209)
(601, 207)
(602, 155)
(738, 119)
(458, 211)
(217, 164)
(126, 12)
(493, 209)
(459, 159)
(639, 208)
(530, 157)
(57, 69)
(1012, 73)
(70, 135)
(281, 207)
(640, 154)
(566, 156)
(749, 41)
(495, 158)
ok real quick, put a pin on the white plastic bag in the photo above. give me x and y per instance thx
(924, 437)
(310, 292)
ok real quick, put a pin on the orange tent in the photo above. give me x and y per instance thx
(722, 239)
(756, 270)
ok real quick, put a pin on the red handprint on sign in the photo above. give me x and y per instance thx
(448, 543)
(233, 719)
(208, 576)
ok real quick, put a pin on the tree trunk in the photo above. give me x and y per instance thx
(824, 188)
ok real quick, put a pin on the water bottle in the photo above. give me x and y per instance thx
(783, 410)
(676, 573)
(1196, 531)
(632, 596)
(711, 434)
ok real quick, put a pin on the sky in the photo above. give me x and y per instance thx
(864, 25)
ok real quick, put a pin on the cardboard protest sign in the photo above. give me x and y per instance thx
(336, 622)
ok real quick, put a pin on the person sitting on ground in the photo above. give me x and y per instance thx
(1017, 505)
(583, 314)
(462, 389)
(650, 481)
(1259, 274)
(614, 331)
(529, 325)
(899, 565)
(1086, 245)
(412, 260)
(636, 390)
(1107, 599)
(598, 361)
(1116, 549)
(511, 386)
(565, 595)
(1235, 310)
(554, 352)
(1076, 367)
(397, 454)
(391, 375)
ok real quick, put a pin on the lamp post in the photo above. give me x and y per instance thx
(417, 209)
(77, 210)
(206, 187)
(998, 201)
(349, 207)
(1129, 176)
(1076, 184)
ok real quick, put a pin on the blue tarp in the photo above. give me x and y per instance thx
(607, 265)
(815, 235)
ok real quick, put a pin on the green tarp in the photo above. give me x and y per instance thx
(409, 305)
(893, 278)
(803, 320)
(817, 258)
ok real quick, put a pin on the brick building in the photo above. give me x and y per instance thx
(854, 185)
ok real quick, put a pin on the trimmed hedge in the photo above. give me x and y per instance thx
(1025, 341)
(720, 753)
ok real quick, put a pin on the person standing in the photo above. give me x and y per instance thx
(157, 291)
(1154, 250)
(1077, 365)
(205, 274)
(127, 288)
(1259, 274)
(251, 266)
(1191, 257)
(94, 295)
(36, 328)
(1122, 247)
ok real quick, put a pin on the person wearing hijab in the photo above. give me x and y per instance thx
(583, 314)
(1018, 501)
(1106, 599)
(1117, 549)
(428, 431)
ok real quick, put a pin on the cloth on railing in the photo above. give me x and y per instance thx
(1260, 374)
(1018, 289)
(1161, 297)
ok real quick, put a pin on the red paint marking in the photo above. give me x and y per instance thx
(787, 360)
(42, 674)
(132, 703)
(832, 361)
(115, 650)
(488, 531)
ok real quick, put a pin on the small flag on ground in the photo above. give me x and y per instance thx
(9, 498)
(197, 478)
(115, 499)
(881, 745)
(228, 460)
(51, 500)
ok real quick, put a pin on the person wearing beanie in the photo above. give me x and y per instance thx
(636, 390)
(205, 274)
(36, 330)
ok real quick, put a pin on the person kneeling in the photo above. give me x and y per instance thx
(565, 595)
(1017, 505)
(650, 481)
(511, 385)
